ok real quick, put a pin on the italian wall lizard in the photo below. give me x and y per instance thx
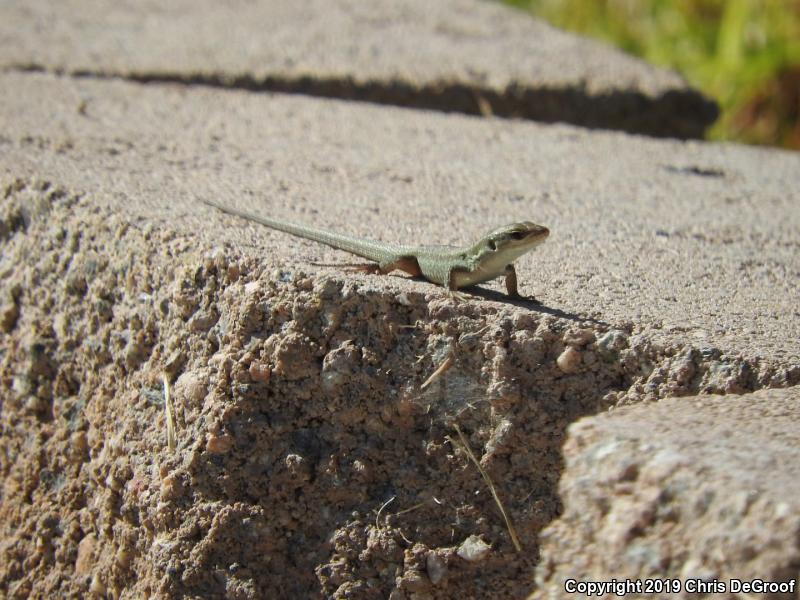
(453, 267)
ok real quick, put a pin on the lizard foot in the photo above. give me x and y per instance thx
(370, 268)
(518, 296)
(458, 296)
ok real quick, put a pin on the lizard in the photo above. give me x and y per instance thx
(490, 257)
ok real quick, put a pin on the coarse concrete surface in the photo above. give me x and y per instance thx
(702, 491)
(300, 405)
(688, 240)
(453, 55)
(309, 457)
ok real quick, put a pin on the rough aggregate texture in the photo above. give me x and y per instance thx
(277, 480)
(309, 459)
(695, 489)
(640, 240)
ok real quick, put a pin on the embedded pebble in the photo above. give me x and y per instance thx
(473, 549)
(192, 386)
(9, 313)
(435, 567)
(569, 360)
(612, 342)
(97, 586)
(79, 445)
(123, 558)
(219, 444)
(85, 558)
(260, 372)
(171, 487)
(579, 337)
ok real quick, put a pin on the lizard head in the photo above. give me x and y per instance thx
(516, 238)
(505, 244)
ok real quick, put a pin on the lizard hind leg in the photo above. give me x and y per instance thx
(407, 264)
(370, 268)
(452, 287)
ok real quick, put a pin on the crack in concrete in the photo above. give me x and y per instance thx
(683, 114)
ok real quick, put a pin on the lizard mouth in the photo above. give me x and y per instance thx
(517, 238)
(528, 232)
(530, 237)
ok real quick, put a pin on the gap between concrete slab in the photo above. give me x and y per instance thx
(628, 111)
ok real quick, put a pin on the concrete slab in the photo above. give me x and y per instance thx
(688, 241)
(699, 492)
(451, 55)
(298, 404)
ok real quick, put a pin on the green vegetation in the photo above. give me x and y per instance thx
(743, 53)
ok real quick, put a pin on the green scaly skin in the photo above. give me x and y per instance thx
(490, 257)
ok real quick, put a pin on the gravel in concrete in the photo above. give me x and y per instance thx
(702, 491)
(686, 240)
(672, 270)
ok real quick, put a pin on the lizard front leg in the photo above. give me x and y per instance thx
(511, 284)
(511, 281)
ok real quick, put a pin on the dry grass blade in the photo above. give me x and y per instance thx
(380, 510)
(171, 438)
(448, 362)
(509, 525)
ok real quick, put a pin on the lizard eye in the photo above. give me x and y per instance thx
(518, 235)
(492, 244)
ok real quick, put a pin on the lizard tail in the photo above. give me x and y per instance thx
(369, 249)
